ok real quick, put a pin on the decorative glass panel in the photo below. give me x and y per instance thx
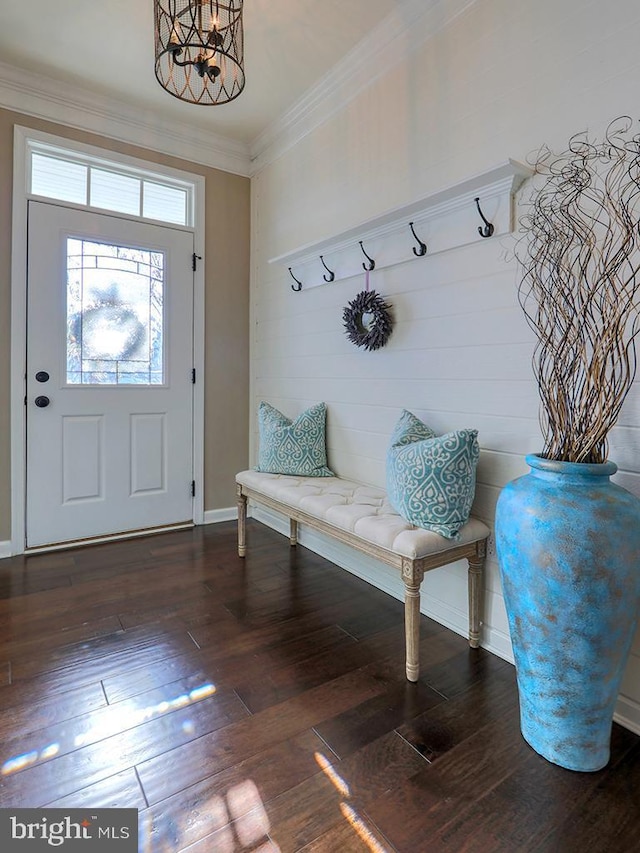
(114, 314)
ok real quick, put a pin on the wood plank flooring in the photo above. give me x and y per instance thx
(260, 705)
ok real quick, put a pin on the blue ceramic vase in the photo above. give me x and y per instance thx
(568, 545)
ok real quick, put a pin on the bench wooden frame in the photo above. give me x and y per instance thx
(412, 570)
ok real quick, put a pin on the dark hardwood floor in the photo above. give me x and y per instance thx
(257, 705)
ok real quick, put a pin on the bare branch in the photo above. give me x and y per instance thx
(580, 253)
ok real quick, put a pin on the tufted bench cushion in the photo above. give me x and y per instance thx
(361, 510)
(361, 517)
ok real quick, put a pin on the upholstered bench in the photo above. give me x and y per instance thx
(361, 516)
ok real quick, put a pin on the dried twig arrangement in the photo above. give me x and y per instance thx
(580, 289)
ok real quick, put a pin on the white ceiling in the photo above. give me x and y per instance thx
(106, 47)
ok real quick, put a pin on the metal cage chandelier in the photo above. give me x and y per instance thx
(199, 49)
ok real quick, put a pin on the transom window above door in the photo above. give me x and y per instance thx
(69, 176)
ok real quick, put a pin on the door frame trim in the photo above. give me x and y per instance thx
(21, 196)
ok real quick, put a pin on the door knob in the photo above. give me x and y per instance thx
(42, 402)
(42, 376)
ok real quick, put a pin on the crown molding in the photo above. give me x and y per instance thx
(35, 95)
(395, 38)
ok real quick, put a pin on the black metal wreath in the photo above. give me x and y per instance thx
(372, 335)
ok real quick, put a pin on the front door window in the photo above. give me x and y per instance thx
(114, 314)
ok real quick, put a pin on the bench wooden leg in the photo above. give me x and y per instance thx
(412, 578)
(242, 522)
(476, 566)
(293, 532)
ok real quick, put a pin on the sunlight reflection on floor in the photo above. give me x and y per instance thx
(114, 721)
(352, 816)
(235, 822)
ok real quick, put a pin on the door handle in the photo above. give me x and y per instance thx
(42, 376)
(42, 402)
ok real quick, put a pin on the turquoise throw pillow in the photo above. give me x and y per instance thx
(410, 429)
(431, 480)
(293, 447)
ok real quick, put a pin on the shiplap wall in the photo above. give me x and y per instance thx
(499, 80)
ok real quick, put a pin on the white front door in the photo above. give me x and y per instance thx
(109, 375)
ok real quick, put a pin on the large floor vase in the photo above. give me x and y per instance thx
(568, 545)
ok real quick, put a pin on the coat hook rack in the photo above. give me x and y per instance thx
(487, 229)
(299, 283)
(331, 275)
(421, 249)
(372, 264)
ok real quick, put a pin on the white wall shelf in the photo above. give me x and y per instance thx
(445, 220)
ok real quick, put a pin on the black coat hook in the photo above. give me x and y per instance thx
(422, 247)
(299, 283)
(372, 264)
(487, 229)
(331, 275)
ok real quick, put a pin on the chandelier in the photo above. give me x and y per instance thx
(199, 49)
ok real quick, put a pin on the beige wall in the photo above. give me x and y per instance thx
(226, 312)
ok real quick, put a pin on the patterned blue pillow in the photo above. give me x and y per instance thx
(297, 447)
(431, 480)
(409, 429)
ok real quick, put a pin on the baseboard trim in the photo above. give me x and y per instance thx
(627, 714)
(5, 549)
(215, 516)
(497, 642)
